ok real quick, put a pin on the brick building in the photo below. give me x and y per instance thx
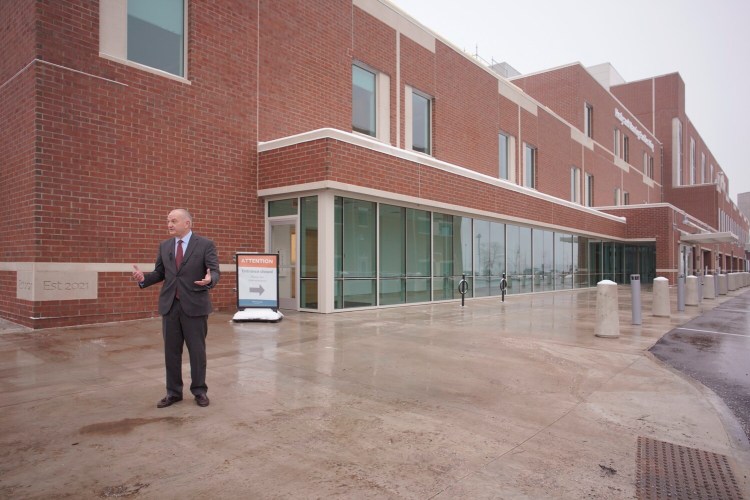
(379, 161)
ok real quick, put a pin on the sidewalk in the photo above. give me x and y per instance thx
(513, 400)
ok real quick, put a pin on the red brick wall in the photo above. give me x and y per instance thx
(17, 143)
(375, 45)
(115, 156)
(466, 113)
(565, 90)
(305, 78)
(329, 159)
(656, 222)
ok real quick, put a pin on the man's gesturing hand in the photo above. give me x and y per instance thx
(138, 274)
(206, 279)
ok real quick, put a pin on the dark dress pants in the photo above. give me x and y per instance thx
(178, 329)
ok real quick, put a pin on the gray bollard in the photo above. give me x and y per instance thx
(681, 292)
(635, 294)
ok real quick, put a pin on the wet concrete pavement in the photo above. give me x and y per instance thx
(714, 348)
(513, 400)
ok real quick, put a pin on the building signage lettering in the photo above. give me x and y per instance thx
(640, 135)
(56, 285)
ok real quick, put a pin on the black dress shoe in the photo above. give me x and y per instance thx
(168, 401)
(201, 400)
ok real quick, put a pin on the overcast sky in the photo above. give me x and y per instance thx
(708, 43)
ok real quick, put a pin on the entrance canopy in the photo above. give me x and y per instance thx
(725, 237)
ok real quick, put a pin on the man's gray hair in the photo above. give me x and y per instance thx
(186, 213)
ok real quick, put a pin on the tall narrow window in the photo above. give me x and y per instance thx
(703, 168)
(421, 116)
(625, 148)
(589, 187)
(588, 120)
(363, 101)
(156, 34)
(645, 163)
(617, 196)
(692, 161)
(651, 167)
(625, 198)
(504, 149)
(679, 153)
(529, 178)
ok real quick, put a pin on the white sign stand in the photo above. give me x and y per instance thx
(257, 287)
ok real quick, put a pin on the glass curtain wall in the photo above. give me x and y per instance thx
(309, 253)
(355, 253)
(392, 255)
(564, 269)
(489, 257)
(386, 254)
(518, 253)
(542, 259)
(418, 253)
(452, 255)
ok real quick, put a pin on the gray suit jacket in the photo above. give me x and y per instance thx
(199, 256)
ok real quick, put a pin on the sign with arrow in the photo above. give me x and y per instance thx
(257, 280)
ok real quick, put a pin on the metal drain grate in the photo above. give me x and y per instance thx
(667, 470)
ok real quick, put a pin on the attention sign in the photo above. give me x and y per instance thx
(257, 280)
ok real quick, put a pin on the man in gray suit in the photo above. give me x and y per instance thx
(189, 267)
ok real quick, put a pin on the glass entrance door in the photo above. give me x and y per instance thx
(284, 242)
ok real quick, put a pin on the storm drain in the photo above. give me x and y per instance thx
(667, 470)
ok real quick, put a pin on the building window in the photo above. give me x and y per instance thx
(421, 123)
(645, 163)
(625, 198)
(504, 148)
(617, 143)
(147, 33)
(588, 120)
(711, 178)
(703, 168)
(678, 155)
(575, 185)
(625, 148)
(589, 190)
(692, 161)
(363, 101)
(355, 253)
(617, 196)
(156, 34)
(651, 167)
(529, 177)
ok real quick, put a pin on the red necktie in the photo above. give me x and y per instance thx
(178, 262)
(178, 258)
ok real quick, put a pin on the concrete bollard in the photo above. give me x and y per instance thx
(691, 291)
(660, 301)
(709, 290)
(723, 284)
(607, 317)
(732, 282)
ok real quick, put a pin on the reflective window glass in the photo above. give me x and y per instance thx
(421, 123)
(363, 101)
(156, 34)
